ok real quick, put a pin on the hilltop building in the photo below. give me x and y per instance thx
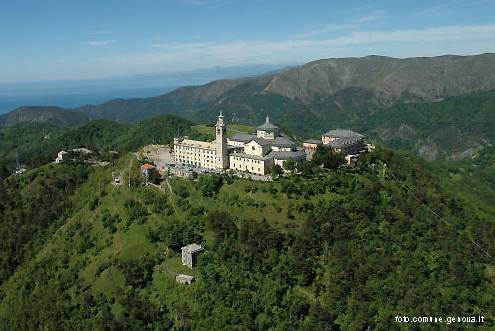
(310, 147)
(349, 143)
(62, 155)
(346, 142)
(209, 155)
(254, 153)
(190, 254)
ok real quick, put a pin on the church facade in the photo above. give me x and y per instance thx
(253, 153)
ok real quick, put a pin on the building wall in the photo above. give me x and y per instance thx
(253, 148)
(346, 149)
(242, 163)
(310, 153)
(235, 143)
(327, 139)
(180, 173)
(187, 259)
(266, 134)
(194, 153)
(307, 146)
(354, 148)
(282, 149)
(279, 162)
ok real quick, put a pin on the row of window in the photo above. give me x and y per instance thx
(201, 150)
(237, 158)
(246, 168)
(208, 164)
(186, 159)
(198, 154)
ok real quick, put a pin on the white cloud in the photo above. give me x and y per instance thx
(375, 15)
(197, 55)
(448, 7)
(436, 10)
(99, 42)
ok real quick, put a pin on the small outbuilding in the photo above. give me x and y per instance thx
(147, 168)
(184, 279)
(190, 254)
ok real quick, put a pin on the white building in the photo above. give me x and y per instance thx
(63, 154)
(190, 254)
(60, 156)
(254, 153)
(209, 155)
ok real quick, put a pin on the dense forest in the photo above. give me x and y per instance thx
(321, 247)
(454, 128)
(38, 143)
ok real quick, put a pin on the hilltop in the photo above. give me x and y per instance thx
(346, 248)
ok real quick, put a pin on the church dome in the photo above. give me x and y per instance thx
(267, 126)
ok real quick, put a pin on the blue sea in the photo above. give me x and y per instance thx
(74, 100)
(75, 93)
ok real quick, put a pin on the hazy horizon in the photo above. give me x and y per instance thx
(75, 93)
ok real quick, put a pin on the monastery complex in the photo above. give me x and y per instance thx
(258, 153)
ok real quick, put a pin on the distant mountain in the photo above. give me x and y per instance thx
(75, 93)
(45, 114)
(391, 80)
(385, 80)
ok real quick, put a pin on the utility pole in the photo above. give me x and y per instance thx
(17, 163)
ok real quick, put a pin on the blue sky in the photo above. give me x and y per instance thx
(65, 39)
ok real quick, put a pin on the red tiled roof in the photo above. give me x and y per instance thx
(148, 166)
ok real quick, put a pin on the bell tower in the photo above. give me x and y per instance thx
(222, 155)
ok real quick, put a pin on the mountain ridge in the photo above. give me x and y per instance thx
(391, 81)
(42, 114)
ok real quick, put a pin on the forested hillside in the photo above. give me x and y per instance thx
(346, 248)
(38, 143)
(455, 128)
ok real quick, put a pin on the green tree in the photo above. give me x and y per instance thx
(290, 165)
(221, 223)
(210, 184)
(325, 156)
(277, 171)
